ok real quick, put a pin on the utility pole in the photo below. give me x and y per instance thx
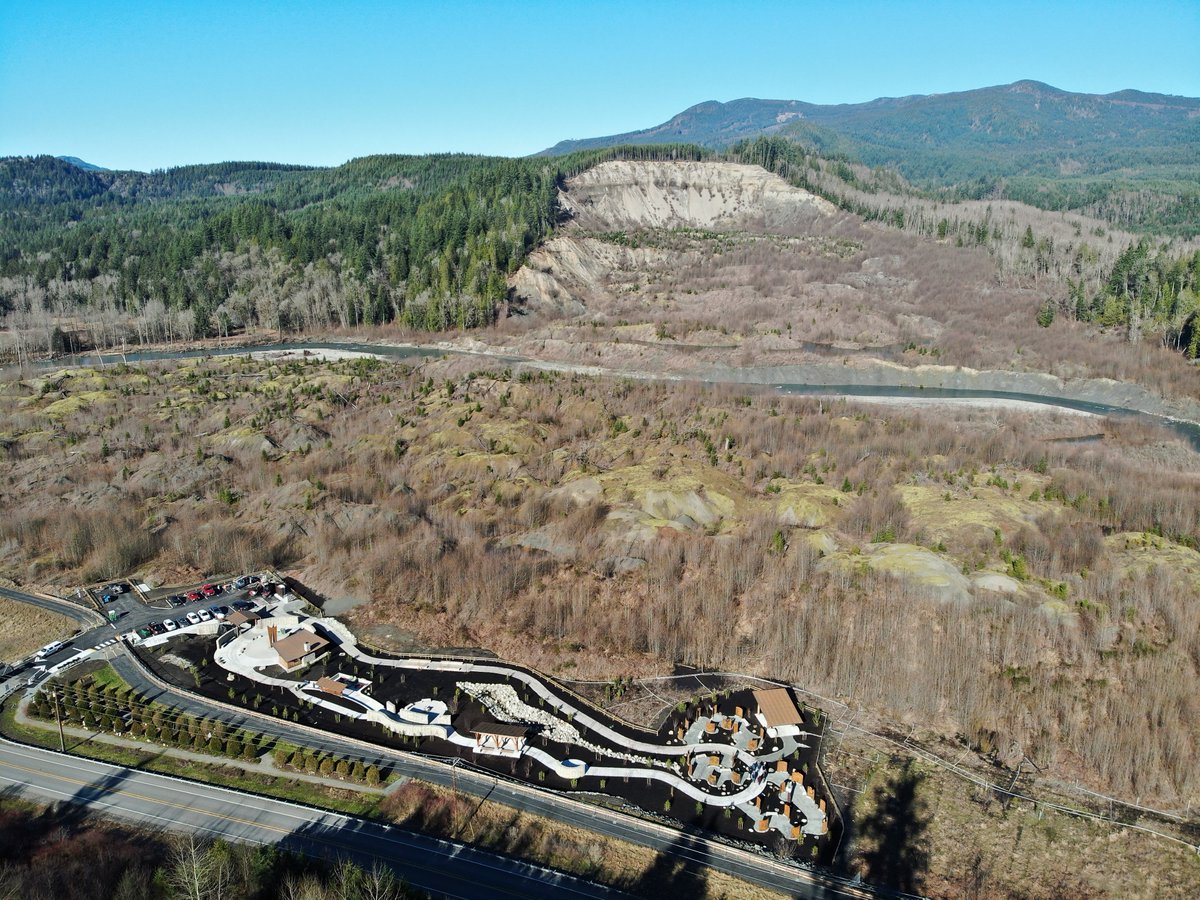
(62, 741)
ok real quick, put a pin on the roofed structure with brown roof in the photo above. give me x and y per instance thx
(298, 646)
(330, 686)
(501, 729)
(237, 617)
(777, 708)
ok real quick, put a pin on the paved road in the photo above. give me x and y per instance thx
(441, 867)
(752, 867)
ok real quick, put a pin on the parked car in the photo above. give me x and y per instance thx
(194, 596)
(210, 590)
(243, 605)
(107, 598)
(156, 628)
(169, 624)
(220, 611)
(143, 632)
(176, 600)
(205, 615)
(193, 619)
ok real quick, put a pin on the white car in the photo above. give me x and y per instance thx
(193, 618)
(170, 624)
(205, 615)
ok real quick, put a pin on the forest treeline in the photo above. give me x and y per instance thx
(425, 240)
(428, 242)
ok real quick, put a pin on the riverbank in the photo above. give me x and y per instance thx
(868, 377)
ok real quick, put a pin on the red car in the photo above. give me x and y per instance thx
(194, 595)
(210, 589)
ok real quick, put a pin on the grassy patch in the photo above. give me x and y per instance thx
(26, 628)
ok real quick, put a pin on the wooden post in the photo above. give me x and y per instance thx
(62, 741)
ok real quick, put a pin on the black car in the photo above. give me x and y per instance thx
(243, 605)
(177, 600)
(156, 628)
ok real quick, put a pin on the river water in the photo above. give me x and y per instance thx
(1189, 431)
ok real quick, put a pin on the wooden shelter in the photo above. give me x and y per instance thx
(500, 738)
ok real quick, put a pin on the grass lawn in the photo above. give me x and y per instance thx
(26, 628)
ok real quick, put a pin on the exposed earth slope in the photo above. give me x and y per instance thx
(718, 270)
(1027, 140)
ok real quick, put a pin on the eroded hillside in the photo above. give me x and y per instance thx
(694, 267)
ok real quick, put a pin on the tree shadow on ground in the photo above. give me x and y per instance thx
(893, 837)
(677, 871)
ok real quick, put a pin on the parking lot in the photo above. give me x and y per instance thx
(204, 603)
(146, 613)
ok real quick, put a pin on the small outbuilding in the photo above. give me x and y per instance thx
(331, 686)
(237, 618)
(777, 712)
(500, 738)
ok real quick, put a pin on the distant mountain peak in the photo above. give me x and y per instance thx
(82, 164)
(1024, 128)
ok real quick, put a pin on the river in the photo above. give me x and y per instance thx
(1189, 431)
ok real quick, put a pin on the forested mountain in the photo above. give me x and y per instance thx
(430, 241)
(427, 240)
(1130, 157)
(83, 164)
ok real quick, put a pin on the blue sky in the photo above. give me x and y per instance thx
(149, 85)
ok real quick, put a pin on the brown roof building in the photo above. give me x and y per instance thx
(330, 686)
(300, 648)
(777, 710)
(237, 617)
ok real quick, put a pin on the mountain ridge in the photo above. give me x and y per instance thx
(1125, 96)
(82, 164)
(1026, 127)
